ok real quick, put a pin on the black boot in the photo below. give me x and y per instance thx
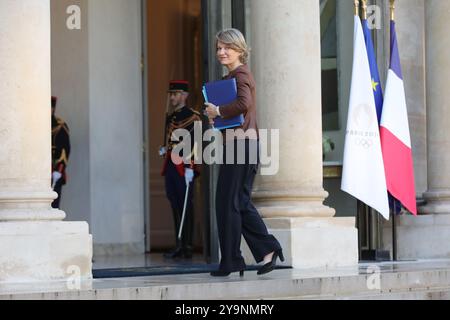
(175, 253)
(187, 252)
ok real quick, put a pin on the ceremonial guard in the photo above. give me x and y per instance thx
(60, 153)
(179, 177)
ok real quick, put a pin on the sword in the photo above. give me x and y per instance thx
(184, 211)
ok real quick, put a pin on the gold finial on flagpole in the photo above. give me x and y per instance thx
(364, 9)
(356, 7)
(392, 10)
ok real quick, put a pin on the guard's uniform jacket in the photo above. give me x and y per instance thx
(175, 182)
(60, 147)
(184, 118)
(60, 155)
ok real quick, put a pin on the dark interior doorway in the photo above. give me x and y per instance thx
(174, 51)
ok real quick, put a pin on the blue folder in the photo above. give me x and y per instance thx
(221, 93)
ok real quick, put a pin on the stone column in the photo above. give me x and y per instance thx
(286, 61)
(427, 235)
(438, 107)
(34, 242)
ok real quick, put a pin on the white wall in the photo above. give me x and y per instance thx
(116, 124)
(97, 75)
(70, 82)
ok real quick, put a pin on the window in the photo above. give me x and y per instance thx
(330, 98)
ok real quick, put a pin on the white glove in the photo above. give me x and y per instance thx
(56, 176)
(188, 175)
(162, 151)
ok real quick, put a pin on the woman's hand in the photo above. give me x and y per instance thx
(211, 111)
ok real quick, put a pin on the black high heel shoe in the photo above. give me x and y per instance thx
(270, 266)
(220, 273)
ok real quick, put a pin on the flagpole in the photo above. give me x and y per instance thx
(394, 215)
(371, 243)
(364, 9)
(392, 6)
(356, 7)
(394, 232)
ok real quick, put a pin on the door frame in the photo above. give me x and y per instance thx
(146, 129)
(216, 15)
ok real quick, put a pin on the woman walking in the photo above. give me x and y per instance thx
(236, 214)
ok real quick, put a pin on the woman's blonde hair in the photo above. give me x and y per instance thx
(235, 39)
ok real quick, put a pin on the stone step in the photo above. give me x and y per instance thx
(438, 294)
(428, 294)
(408, 281)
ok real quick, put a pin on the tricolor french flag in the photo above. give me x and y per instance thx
(395, 136)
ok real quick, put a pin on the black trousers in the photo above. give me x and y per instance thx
(58, 190)
(236, 214)
(176, 191)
